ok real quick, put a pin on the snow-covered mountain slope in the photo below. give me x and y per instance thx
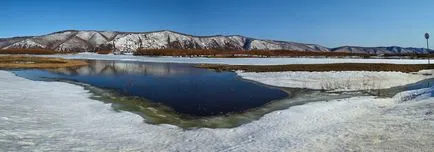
(81, 41)
(127, 42)
(9, 41)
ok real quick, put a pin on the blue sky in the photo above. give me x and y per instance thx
(330, 23)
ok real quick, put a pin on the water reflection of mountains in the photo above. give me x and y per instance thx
(128, 68)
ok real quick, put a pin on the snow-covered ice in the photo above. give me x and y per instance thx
(237, 61)
(338, 80)
(55, 116)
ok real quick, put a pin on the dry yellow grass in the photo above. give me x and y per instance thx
(14, 62)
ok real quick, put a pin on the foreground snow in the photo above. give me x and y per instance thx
(54, 116)
(236, 61)
(338, 80)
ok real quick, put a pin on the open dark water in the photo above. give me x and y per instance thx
(182, 87)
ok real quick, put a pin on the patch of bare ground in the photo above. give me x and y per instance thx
(17, 61)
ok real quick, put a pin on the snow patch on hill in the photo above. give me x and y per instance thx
(27, 43)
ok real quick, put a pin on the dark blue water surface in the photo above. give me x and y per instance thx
(184, 88)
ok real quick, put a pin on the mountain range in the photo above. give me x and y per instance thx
(129, 42)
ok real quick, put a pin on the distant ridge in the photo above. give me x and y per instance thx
(381, 50)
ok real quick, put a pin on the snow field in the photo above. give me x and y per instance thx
(56, 116)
